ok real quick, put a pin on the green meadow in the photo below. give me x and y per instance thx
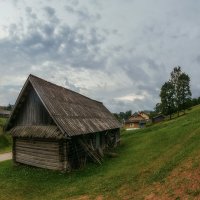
(148, 162)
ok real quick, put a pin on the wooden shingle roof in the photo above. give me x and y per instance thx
(73, 113)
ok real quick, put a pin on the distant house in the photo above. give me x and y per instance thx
(144, 115)
(4, 113)
(55, 128)
(158, 118)
(135, 121)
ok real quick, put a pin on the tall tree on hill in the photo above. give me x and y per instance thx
(175, 74)
(184, 92)
(167, 98)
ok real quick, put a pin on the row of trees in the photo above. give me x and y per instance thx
(194, 102)
(175, 93)
(123, 115)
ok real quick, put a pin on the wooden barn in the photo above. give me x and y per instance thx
(55, 128)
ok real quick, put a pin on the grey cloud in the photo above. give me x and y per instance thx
(48, 29)
(71, 86)
(74, 2)
(51, 15)
(15, 2)
(10, 91)
(83, 14)
(50, 11)
(131, 65)
(66, 46)
(137, 105)
(30, 14)
(198, 59)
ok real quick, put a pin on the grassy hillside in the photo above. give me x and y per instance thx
(159, 161)
(5, 140)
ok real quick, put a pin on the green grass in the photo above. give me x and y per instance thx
(3, 121)
(145, 157)
(5, 143)
(5, 139)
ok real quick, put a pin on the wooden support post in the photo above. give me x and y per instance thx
(61, 154)
(65, 161)
(14, 150)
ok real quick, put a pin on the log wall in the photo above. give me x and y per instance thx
(44, 154)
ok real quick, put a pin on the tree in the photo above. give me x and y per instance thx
(158, 108)
(183, 92)
(9, 107)
(122, 116)
(181, 82)
(167, 98)
(175, 74)
(128, 114)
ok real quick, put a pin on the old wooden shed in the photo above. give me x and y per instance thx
(56, 128)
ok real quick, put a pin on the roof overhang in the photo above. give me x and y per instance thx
(48, 132)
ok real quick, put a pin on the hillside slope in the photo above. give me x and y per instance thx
(159, 162)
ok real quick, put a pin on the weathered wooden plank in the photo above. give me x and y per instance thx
(38, 151)
(50, 152)
(36, 142)
(41, 155)
(14, 150)
(37, 158)
(39, 161)
(39, 164)
(37, 147)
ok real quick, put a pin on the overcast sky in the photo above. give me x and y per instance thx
(118, 52)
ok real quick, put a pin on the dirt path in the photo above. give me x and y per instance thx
(5, 156)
